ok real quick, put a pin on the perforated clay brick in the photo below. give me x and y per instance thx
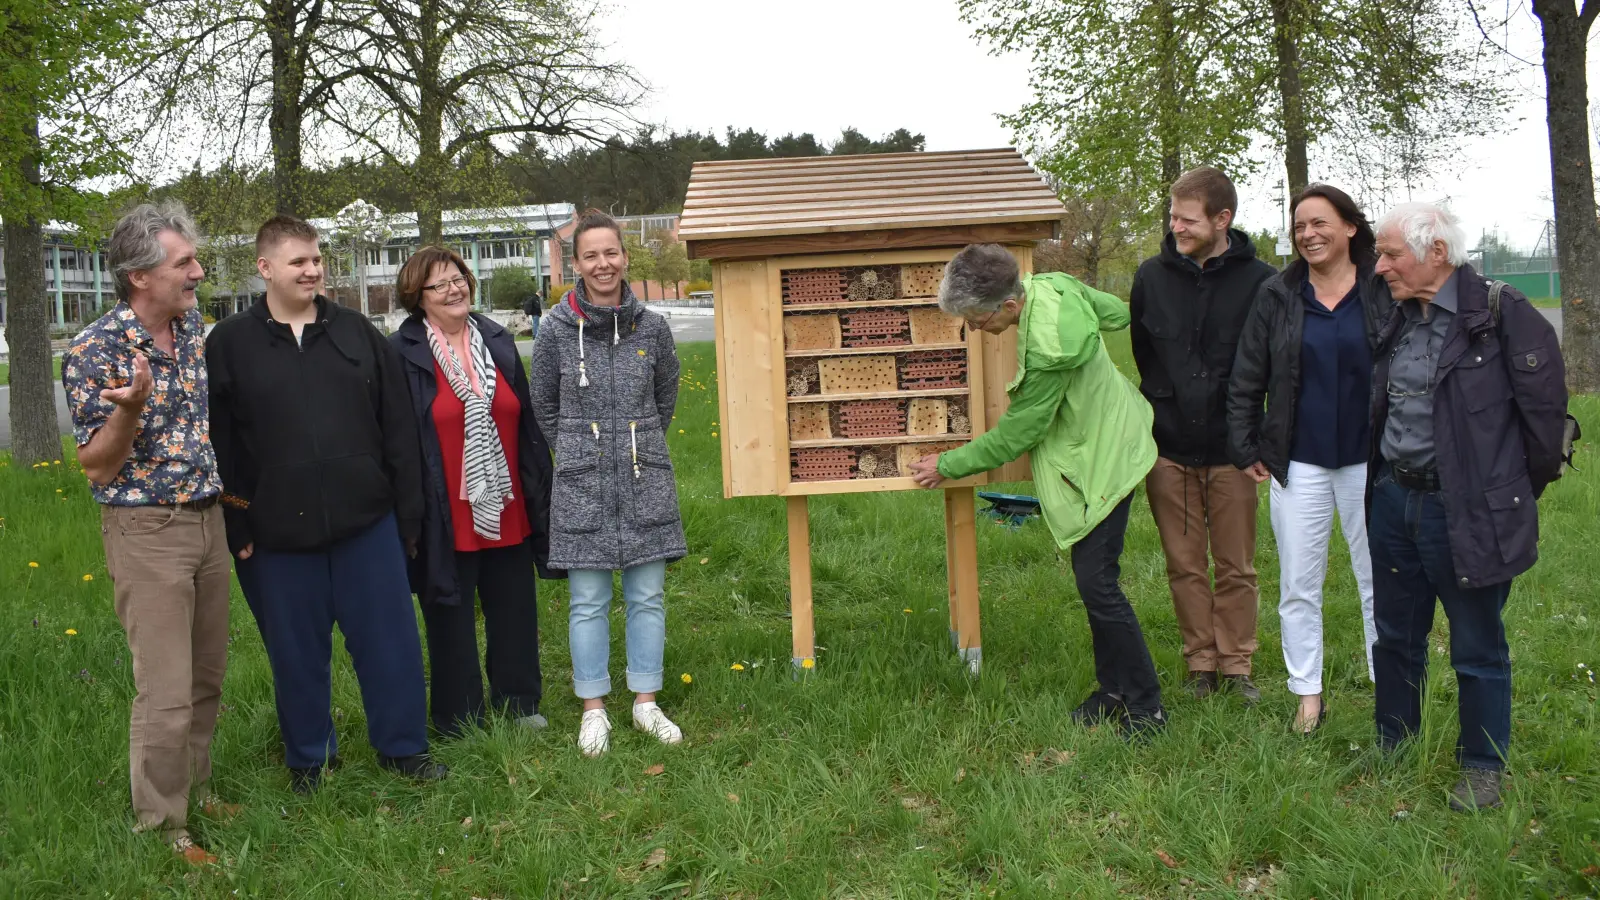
(871, 418)
(933, 369)
(802, 286)
(822, 464)
(875, 328)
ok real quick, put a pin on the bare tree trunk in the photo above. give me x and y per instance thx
(288, 112)
(1167, 104)
(34, 437)
(1285, 36)
(1572, 176)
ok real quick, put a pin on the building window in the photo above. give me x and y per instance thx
(374, 257)
(69, 260)
(397, 255)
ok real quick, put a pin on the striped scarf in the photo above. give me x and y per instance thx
(485, 479)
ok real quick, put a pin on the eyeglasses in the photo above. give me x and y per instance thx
(440, 287)
(981, 325)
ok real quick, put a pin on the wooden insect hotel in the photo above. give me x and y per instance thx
(837, 370)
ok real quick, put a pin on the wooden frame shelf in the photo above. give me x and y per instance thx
(881, 395)
(858, 304)
(871, 351)
(881, 441)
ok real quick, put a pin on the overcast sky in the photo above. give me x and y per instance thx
(877, 65)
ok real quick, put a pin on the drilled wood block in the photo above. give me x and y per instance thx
(921, 279)
(931, 326)
(809, 422)
(815, 332)
(907, 454)
(857, 374)
(928, 415)
(801, 286)
(822, 464)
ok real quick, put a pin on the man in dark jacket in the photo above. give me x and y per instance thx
(1189, 305)
(318, 452)
(1468, 417)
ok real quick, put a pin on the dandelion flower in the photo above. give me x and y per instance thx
(713, 434)
(72, 631)
(88, 578)
(33, 565)
(907, 611)
(680, 431)
(58, 490)
(687, 678)
(808, 663)
(737, 667)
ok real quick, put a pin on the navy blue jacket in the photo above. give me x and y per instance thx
(433, 570)
(1499, 419)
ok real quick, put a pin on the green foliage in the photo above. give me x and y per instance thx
(888, 772)
(557, 291)
(700, 270)
(511, 286)
(671, 261)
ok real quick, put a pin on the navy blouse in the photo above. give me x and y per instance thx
(1330, 428)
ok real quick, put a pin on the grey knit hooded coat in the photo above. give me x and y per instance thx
(605, 384)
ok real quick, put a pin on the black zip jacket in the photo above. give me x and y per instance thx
(433, 569)
(1185, 329)
(1268, 366)
(316, 437)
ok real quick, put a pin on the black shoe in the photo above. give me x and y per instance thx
(419, 767)
(1100, 706)
(1141, 725)
(1477, 789)
(1200, 684)
(305, 781)
(1322, 716)
(1245, 688)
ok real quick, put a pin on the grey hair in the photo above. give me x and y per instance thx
(135, 244)
(979, 279)
(1420, 224)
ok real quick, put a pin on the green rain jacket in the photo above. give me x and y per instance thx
(1087, 426)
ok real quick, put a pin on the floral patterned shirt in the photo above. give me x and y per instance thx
(172, 461)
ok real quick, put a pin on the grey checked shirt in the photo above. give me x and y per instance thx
(1408, 432)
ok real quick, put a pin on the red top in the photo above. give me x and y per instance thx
(450, 421)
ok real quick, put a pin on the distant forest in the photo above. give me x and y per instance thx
(646, 173)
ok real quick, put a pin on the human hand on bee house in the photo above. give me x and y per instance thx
(925, 471)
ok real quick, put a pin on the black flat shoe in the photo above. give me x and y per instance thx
(1322, 716)
(419, 767)
(1099, 707)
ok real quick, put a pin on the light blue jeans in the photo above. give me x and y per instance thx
(589, 628)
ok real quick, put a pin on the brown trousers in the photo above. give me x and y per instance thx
(1196, 508)
(170, 569)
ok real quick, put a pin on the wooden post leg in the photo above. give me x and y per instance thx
(800, 585)
(950, 571)
(961, 539)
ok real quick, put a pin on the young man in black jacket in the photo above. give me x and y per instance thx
(317, 447)
(1189, 304)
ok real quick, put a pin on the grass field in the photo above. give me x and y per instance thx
(887, 773)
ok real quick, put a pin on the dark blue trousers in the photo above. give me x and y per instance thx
(360, 584)
(1411, 566)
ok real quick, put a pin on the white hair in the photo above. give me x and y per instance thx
(1420, 224)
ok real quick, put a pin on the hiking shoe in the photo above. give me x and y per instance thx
(1200, 684)
(533, 722)
(1141, 725)
(1244, 687)
(418, 767)
(594, 733)
(191, 853)
(649, 718)
(1099, 707)
(1477, 789)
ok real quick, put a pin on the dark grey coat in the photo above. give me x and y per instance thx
(608, 511)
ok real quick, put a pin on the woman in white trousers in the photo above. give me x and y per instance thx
(1298, 413)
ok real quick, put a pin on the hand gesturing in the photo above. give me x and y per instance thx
(133, 396)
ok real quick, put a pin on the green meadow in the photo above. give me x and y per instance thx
(887, 772)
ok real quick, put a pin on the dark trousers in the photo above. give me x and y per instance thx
(360, 584)
(1411, 565)
(503, 581)
(1122, 662)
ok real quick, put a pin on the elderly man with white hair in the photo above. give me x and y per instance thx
(1468, 416)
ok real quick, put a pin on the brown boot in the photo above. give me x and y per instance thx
(1201, 684)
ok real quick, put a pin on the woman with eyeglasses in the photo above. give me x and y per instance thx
(1306, 350)
(486, 493)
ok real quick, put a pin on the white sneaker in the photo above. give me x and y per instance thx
(594, 733)
(649, 718)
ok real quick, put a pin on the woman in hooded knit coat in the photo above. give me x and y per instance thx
(605, 384)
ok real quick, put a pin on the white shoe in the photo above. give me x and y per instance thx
(649, 718)
(594, 733)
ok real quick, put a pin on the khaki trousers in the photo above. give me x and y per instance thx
(170, 566)
(1201, 508)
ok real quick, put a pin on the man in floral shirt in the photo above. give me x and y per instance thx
(136, 384)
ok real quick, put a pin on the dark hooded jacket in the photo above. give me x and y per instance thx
(1268, 366)
(605, 384)
(433, 569)
(314, 437)
(1186, 324)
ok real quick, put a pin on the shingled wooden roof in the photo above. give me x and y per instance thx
(737, 200)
